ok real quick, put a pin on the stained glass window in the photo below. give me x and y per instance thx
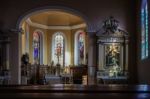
(144, 29)
(81, 48)
(59, 49)
(36, 47)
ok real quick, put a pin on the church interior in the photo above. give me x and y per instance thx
(55, 41)
(67, 46)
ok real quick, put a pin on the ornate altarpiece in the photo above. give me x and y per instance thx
(112, 50)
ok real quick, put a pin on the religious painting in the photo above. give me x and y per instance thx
(112, 55)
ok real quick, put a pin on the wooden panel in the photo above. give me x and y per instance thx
(78, 73)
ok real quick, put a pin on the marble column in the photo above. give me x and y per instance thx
(92, 59)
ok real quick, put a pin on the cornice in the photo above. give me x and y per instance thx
(83, 25)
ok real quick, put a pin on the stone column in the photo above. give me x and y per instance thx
(15, 57)
(3, 55)
(0, 56)
(7, 54)
(92, 59)
(126, 54)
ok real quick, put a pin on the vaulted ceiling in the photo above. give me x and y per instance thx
(56, 18)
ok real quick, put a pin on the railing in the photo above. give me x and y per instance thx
(5, 77)
(103, 77)
(44, 74)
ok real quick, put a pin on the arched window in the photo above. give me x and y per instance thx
(81, 48)
(58, 54)
(79, 52)
(36, 47)
(144, 29)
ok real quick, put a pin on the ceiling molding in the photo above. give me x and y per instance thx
(83, 25)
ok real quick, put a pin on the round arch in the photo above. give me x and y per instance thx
(52, 8)
(29, 13)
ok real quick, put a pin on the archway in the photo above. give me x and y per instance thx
(27, 17)
(52, 8)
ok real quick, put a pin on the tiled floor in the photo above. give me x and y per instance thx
(76, 92)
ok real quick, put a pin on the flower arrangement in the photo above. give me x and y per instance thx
(25, 59)
(114, 71)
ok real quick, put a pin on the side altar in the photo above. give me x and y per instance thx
(112, 53)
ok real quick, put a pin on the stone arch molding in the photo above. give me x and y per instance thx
(52, 8)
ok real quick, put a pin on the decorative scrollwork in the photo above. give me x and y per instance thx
(110, 25)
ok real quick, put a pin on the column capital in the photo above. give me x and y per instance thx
(91, 33)
(20, 30)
